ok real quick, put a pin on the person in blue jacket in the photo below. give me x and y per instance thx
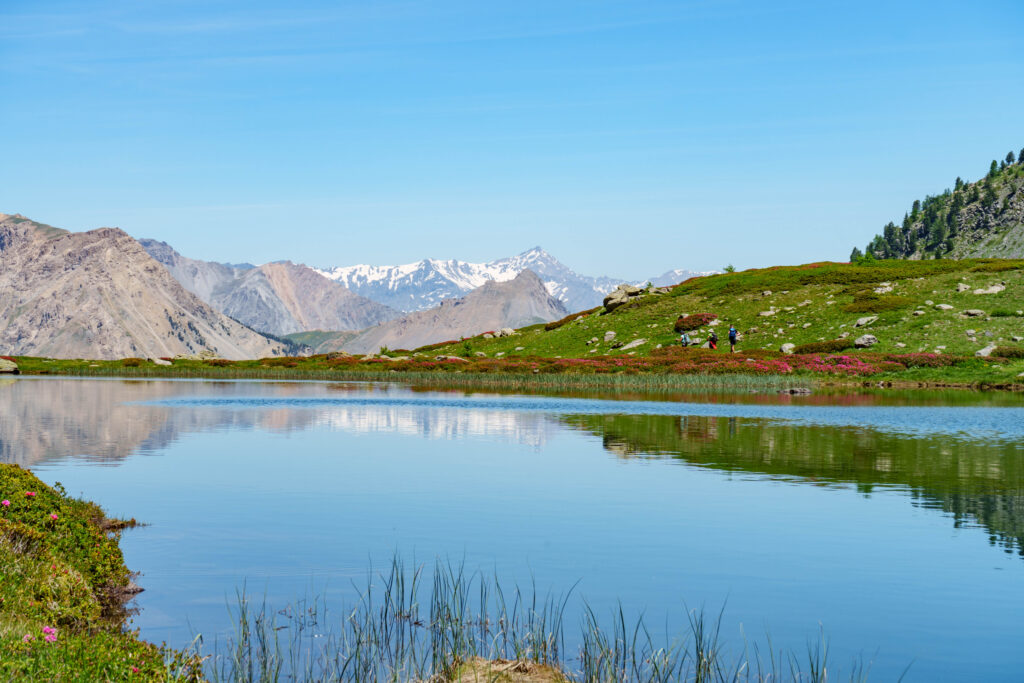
(732, 339)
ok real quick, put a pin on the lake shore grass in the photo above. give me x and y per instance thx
(673, 369)
(63, 587)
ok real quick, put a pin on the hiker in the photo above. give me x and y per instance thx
(732, 339)
(685, 340)
(713, 340)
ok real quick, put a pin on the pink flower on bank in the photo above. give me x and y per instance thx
(27, 638)
(49, 629)
(6, 503)
(30, 494)
(53, 515)
(135, 669)
(51, 637)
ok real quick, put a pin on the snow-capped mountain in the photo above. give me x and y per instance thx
(424, 284)
(674, 277)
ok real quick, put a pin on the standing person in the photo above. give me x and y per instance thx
(684, 340)
(713, 340)
(732, 339)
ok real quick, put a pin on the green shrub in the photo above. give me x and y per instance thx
(867, 301)
(1008, 352)
(1004, 313)
(831, 346)
(132, 362)
(569, 318)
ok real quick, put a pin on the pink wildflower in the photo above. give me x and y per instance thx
(30, 494)
(6, 503)
(53, 515)
(49, 629)
(51, 637)
(135, 669)
(27, 638)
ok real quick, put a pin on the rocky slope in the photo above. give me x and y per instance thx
(984, 219)
(424, 284)
(521, 301)
(98, 294)
(277, 298)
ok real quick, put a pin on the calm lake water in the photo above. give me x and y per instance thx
(896, 524)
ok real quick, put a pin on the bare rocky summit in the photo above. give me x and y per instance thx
(98, 294)
(276, 298)
(521, 301)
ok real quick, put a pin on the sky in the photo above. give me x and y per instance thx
(626, 138)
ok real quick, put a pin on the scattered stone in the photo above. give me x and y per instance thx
(618, 345)
(499, 354)
(789, 309)
(971, 333)
(865, 341)
(803, 391)
(520, 348)
(787, 348)
(974, 312)
(480, 354)
(844, 335)
(900, 345)
(9, 366)
(1016, 338)
(994, 289)
(942, 307)
(883, 288)
(985, 352)
(161, 361)
(804, 303)
(488, 335)
(929, 302)
(767, 313)
(766, 292)
(806, 325)
(918, 312)
(829, 303)
(862, 322)
(635, 343)
(505, 332)
(962, 287)
(609, 335)
(940, 348)
(658, 346)
(456, 359)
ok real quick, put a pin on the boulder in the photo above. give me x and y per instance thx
(919, 312)
(767, 313)
(962, 287)
(787, 348)
(1016, 338)
(974, 312)
(971, 333)
(609, 335)
(863, 322)
(865, 341)
(506, 332)
(994, 289)
(450, 359)
(943, 307)
(766, 292)
(480, 354)
(488, 335)
(9, 367)
(615, 299)
(901, 345)
(635, 343)
(985, 352)
(161, 361)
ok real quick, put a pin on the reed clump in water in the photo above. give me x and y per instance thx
(462, 626)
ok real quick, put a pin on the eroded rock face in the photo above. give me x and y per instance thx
(787, 348)
(985, 352)
(865, 341)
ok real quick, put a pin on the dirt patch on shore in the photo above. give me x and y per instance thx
(480, 670)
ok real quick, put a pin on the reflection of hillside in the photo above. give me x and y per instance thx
(102, 420)
(980, 481)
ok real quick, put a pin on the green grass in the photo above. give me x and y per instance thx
(62, 584)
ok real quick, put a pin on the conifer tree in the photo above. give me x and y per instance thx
(959, 184)
(993, 169)
(1010, 159)
(856, 255)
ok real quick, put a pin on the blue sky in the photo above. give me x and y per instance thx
(626, 138)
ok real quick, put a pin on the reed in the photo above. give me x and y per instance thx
(405, 626)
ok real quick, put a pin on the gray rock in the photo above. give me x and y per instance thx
(806, 325)
(488, 335)
(480, 354)
(161, 361)
(985, 352)
(787, 348)
(506, 332)
(9, 366)
(609, 335)
(901, 345)
(1016, 338)
(455, 359)
(974, 312)
(865, 341)
(942, 307)
(635, 343)
(971, 333)
(994, 289)
(767, 313)
(929, 302)
(962, 287)
(766, 292)
(918, 312)
(615, 299)
(862, 322)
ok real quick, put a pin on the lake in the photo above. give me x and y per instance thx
(892, 522)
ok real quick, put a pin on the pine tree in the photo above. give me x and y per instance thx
(856, 255)
(959, 184)
(1020, 157)
(1010, 159)
(993, 169)
(916, 209)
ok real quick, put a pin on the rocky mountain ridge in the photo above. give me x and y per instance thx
(277, 298)
(98, 294)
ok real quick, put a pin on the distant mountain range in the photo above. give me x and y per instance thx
(98, 294)
(424, 284)
(275, 298)
(518, 302)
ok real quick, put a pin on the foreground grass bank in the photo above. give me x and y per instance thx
(63, 583)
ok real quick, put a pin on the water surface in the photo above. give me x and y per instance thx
(893, 522)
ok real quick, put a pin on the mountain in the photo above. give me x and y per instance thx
(521, 301)
(277, 298)
(424, 284)
(984, 219)
(674, 277)
(98, 294)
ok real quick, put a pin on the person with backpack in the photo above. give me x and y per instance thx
(713, 341)
(684, 340)
(732, 339)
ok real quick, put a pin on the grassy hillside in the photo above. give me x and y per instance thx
(800, 305)
(980, 219)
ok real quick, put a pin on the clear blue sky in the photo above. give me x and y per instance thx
(626, 138)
